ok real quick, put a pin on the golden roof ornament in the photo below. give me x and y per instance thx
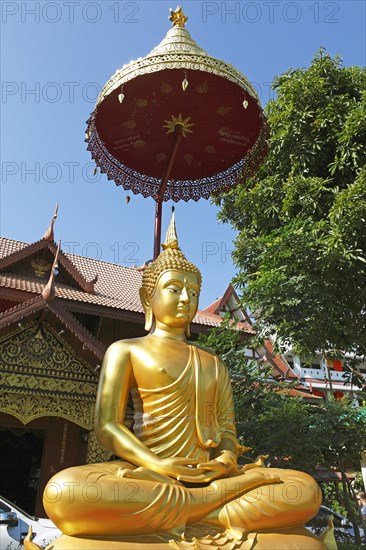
(177, 17)
(40, 266)
(49, 235)
(177, 50)
(49, 291)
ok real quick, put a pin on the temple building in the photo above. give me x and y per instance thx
(58, 314)
(313, 378)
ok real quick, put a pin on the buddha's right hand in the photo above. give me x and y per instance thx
(179, 468)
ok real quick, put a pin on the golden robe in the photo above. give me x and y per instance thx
(187, 418)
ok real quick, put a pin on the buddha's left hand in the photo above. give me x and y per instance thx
(215, 469)
(220, 467)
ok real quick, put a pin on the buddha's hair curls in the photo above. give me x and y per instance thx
(170, 258)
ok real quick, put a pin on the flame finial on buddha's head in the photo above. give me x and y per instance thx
(170, 258)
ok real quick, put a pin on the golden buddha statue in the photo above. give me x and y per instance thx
(177, 477)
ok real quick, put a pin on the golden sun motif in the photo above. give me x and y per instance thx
(185, 124)
(166, 88)
(130, 124)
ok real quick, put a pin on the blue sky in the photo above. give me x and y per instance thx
(57, 55)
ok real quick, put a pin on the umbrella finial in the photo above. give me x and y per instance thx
(177, 17)
(171, 239)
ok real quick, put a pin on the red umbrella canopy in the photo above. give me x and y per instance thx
(131, 131)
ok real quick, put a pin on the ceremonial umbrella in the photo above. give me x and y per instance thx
(177, 124)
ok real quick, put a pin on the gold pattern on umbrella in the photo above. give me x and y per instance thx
(132, 129)
(185, 124)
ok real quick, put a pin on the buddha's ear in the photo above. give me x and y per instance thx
(187, 331)
(145, 300)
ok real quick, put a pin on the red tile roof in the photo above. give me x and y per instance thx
(117, 286)
(218, 304)
(16, 256)
(215, 306)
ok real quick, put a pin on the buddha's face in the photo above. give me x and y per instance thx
(175, 299)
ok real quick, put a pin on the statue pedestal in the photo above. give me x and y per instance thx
(286, 539)
(84, 543)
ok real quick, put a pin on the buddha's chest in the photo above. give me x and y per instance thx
(160, 368)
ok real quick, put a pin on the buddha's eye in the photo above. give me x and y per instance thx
(174, 289)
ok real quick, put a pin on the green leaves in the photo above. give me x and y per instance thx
(301, 247)
(295, 433)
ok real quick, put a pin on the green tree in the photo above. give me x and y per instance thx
(301, 244)
(293, 432)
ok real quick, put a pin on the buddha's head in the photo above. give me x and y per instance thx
(170, 287)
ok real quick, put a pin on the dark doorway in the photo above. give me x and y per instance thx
(20, 465)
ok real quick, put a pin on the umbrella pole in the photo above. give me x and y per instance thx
(159, 197)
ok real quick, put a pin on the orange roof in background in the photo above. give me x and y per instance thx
(302, 392)
(278, 361)
(117, 286)
(218, 304)
(215, 306)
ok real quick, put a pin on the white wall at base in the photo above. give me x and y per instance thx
(363, 469)
(297, 364)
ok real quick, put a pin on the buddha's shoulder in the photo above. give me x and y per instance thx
(205, 352)
(127, 345)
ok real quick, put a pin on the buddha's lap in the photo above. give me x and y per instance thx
(109, 481)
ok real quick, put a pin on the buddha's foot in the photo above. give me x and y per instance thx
(258, 463)
(225, 490)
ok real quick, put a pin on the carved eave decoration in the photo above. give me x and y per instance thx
(26, 407)
(40, 309)
(43, 375)
(36, 252)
